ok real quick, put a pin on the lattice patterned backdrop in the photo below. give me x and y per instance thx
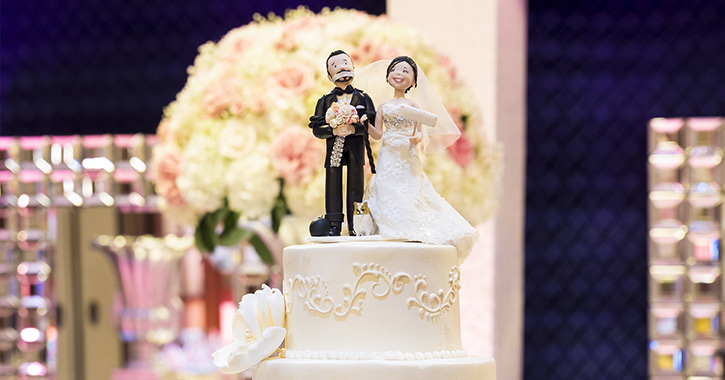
(88, 67)
(597, 72)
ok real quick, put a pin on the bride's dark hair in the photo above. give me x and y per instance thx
(411, 62)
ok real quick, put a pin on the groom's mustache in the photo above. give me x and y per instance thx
(343, 76)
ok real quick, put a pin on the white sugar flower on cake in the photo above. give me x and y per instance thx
(258, 331)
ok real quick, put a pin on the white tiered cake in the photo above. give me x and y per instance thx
(373, 309)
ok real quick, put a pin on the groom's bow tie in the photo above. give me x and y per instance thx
(338, 91)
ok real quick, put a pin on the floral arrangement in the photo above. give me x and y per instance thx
(235, 142)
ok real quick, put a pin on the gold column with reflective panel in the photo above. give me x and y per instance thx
(685, 269)
(57, 195)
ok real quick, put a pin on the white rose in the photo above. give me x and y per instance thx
(236, 139)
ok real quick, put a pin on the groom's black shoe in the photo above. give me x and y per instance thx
(335, 219)
(334, 229)
(352, 232)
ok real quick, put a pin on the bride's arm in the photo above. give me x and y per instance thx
(417, 136)
(373, 131)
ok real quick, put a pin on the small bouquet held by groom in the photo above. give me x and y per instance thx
(337, 115)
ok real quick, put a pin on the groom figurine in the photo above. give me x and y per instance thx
(341, 71)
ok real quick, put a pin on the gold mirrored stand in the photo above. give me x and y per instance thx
(59, 314)
(685, 173)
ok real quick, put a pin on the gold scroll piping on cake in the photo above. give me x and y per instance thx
(316, 295)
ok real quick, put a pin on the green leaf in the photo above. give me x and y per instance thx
(204, 235)
(280, 208)
(199, 239)
(231, 220)
(261, 249)
(218, 215)
(234, 236)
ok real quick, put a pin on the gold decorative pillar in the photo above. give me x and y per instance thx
(685, 212)
(57, 194)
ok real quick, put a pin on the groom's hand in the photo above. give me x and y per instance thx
(344, 130)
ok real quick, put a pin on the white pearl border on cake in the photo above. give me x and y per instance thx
(387, 355)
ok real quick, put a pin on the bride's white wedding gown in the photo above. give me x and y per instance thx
(401, 199)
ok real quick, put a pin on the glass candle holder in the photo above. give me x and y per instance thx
(9, 154)
(667, 126)
(704, 194)
(704, 124)
(667, 155)
(668, 231)
(32, 371)
(65, 153)
(666, 357)
(667, 195)
(706, 282)
(34, 154)
(666, 320)
(704, 156)
(704, 319)
(702, 358)
(666, 283)
(66, 188)
(131, 157)
(97, 172)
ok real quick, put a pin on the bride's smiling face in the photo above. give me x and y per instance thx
(401, 76)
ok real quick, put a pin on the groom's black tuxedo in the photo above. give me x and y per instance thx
(353, 156)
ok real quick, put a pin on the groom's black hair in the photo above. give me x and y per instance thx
(334, 53)
(411, 62)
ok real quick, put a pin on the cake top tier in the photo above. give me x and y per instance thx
(372, 296)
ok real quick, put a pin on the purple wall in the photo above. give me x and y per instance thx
(597, 72)
(111, 66)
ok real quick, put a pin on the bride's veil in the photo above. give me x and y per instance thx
(372, 80)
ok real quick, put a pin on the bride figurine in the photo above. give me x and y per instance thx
(401, 199)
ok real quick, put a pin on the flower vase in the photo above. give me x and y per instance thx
(147, 307)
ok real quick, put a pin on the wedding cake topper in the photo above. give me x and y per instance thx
(341, 118)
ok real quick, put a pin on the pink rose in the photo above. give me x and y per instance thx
(167, 168)
(223, 95)
(387, 51)
(461, 151)
(291, 29)
(296, 26)
(457, 116)
(166, 131)
(370, 50)
(294, 78)
(446, 62)
(234, 46)
(257, 105)
(363, 52)
(296, 154)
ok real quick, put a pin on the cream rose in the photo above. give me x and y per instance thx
(236, 139)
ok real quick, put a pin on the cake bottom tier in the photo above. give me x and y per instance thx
(471, 368)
